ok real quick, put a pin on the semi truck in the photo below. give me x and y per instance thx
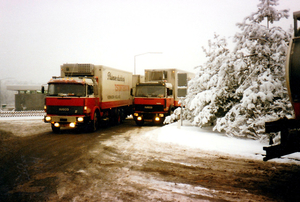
(159, 94)
(86, 95)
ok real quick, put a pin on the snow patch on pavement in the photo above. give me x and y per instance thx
(170, 189)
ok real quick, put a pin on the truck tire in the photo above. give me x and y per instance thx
(119, 117)
(55, 129)
(139, 123)
(116, 117)
(94, 125)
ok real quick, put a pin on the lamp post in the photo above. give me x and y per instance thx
(143, 54)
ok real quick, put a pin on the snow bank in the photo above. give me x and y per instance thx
(204, 139)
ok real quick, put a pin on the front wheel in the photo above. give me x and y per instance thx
(55, 129)
(139, 123)
(94, 125)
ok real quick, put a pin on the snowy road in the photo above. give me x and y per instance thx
(129, 163)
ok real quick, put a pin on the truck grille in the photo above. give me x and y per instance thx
(65, 110)
(149, 108)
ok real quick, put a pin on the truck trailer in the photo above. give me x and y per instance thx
(86, 95)
(159, 95)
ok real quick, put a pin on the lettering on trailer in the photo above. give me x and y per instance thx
(120, 87)
(115, 78)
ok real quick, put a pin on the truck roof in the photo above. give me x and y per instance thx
(72, 80)
(168, 69)
(156, 83)
(76, 69)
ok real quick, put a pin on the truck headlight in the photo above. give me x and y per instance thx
(161, 115)
(135, 114)
(56, 125)
(157, 118)
(48, 118)
(139, 118)
(72, 125)
(80, 119)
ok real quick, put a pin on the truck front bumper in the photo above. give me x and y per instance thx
(149, 117)
(66, 121)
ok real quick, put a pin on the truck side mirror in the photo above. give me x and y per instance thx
(43, 90)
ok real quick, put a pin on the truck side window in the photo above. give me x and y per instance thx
(90, 90)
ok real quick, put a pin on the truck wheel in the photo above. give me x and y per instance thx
(139, 123)
(55, 129)
(116, 117)
(119, 117)
(95, 123)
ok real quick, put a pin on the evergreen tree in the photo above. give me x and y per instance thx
(265, 96)
(212, 92)
(242, 89)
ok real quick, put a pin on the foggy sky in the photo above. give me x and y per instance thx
(37, 36)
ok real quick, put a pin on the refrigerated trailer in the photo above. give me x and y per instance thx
(86, 95)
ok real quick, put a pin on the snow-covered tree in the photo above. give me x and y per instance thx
(242, 89)
(212, 92)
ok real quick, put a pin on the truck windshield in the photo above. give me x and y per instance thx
(58, 89)
(150, 91)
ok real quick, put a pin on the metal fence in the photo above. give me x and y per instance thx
(22, 113)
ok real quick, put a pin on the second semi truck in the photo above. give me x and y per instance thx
(159, 94)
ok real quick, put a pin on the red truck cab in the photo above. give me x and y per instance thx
(153, 101)
(158, 93)
(72, 103)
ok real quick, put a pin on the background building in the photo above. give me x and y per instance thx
(28, 97)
